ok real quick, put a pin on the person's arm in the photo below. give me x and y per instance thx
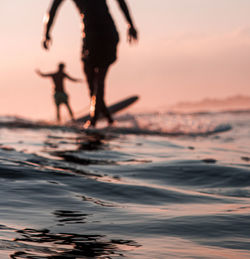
(132, 33)
(42, 74)
(73, 79)
(48, 21)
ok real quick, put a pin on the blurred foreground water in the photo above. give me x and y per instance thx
(154, 186)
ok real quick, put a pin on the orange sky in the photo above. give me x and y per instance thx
(188, 50)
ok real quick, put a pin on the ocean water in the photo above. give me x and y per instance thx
(159, 185)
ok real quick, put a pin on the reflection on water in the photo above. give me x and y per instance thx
(71, 156)
(70, 217)
(43, 243)
(87, 141)
(92, 142)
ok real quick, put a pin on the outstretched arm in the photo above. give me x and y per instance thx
(132, 33)
(42, 74)
(48, 21)
(73, 79)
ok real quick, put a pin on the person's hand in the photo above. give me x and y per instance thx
(132, 34)
(38, 72)
(47, 42)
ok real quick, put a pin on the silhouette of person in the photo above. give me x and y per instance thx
(60, 96)
(100, 39)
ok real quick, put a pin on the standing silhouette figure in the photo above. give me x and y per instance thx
(100, 39)
(60, 96)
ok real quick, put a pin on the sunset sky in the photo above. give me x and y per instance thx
(188, 50)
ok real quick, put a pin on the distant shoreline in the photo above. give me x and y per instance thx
(230, 104)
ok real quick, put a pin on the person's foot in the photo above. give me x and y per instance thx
(88, 124)
(112, 125)
(110, 120)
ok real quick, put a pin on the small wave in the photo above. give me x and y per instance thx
(170, 124)
(176, 132)
(140, 124)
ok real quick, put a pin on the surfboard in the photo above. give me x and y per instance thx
(114, 108)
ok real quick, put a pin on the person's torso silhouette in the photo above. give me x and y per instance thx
(58, 80)
(100, 35)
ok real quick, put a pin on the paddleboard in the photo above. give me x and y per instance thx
(114, 108)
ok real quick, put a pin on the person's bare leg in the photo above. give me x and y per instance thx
(96, 81)
(90, 73)
(58, 113)
(100, 103)
(70, 111)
